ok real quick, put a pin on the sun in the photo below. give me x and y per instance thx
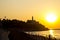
(51, 17)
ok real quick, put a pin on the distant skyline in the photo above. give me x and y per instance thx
(25, 9)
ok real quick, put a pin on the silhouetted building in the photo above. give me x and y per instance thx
(32, 21)
(32, 18)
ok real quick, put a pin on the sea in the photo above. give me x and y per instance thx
(53, 33)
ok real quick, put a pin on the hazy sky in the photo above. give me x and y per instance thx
(25, 9)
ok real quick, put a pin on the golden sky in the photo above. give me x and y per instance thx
(25, 9)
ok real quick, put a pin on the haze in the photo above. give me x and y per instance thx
(25, 9)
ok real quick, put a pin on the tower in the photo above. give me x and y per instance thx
(32, 18)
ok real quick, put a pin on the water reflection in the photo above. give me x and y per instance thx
(51, 32)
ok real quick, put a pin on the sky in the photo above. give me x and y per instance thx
(25, 9)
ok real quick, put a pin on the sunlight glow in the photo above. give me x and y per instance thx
(51, 17)
(51, 32)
